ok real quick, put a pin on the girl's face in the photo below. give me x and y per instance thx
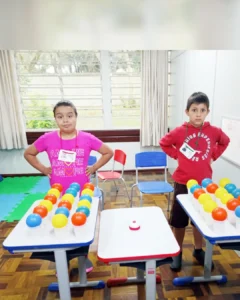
(66, 119)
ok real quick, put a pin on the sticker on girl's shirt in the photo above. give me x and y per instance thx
(67, 156)
(187, 151)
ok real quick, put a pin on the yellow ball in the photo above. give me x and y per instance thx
(87, 192)
(203, 198)
(48, 204)
(191, 182)
(225, 197)
(220, 191)
(54, 192)
(209, 206)
(224, 181)
(59, 221)
(84, 203)
(68, 197)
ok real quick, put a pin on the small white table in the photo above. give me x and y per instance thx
(212, 237)
(22, 240)
(153, 241)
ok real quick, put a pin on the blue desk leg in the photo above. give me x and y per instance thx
(63, 286)
(207, 271)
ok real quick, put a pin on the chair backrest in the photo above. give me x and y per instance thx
(92, 160)
(120, 157)
(151, 160)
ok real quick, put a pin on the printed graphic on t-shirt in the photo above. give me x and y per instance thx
(201, 138)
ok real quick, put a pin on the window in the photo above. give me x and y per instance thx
(104, 86)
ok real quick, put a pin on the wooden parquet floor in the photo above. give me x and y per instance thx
(25, 279)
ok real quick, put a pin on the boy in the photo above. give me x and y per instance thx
(205, 143)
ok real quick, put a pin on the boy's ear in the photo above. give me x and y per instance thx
(187, 112)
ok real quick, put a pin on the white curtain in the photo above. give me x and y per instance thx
(154, 98)
(12, 130)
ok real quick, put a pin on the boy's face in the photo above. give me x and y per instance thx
(66, 119)
(197, 114)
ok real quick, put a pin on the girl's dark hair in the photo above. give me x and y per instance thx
(65, 103)
(197, 98)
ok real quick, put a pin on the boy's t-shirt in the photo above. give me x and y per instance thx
(67, 172)
(208, 141)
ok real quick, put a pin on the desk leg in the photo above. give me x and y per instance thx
(151, 280)
(207, 271)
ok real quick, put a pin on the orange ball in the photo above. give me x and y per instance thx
(212, 187)
(51, 198)
(232, 204)
(198, 192)
(40, 210)
(88, 185)
(79, 219)
(57, 186)
(65, 203)
(219, 214)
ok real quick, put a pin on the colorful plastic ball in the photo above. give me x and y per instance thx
(54, 192)
(87, 192)
(68, 197)
(230, 187)
(86, 197)
(203, 198)
(76, 186)
(198, 192)
(62, 210)
(209, 206)
(51, 198)
(65, 203)
(84, 203)
(191, 182)
(57, 186)
(225, 198)
(224, 181)
(41, 211)
(89, 185)
(33, 220)
(220, 191)
(59, 221)
(237, 212)
(84, 210)
(236, 193)
(78, 219)
(194, 187)
(47, 203)
(206, 182)
(232, 204)
(72, 191)
(212, 187)
(219, 214)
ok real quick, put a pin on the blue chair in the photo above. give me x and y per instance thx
(97, 192)
(152, 160)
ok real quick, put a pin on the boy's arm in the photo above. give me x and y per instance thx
(221, 145)
(167, 143)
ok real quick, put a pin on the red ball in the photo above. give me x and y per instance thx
(65, 203)
(232, 204)
(212, 187)
(51, 198)
(79, 219)
(88, 185)
(198, 192)
(57, 186)
(40, 210)
(219, 214)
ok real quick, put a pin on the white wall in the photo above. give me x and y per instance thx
(215, 73)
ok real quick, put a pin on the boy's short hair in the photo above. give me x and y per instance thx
(65, 103)
(197, 98)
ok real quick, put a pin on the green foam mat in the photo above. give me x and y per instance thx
(20, 210)
(15, 185)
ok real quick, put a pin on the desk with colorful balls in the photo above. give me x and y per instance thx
(58, 223)
(215, 211)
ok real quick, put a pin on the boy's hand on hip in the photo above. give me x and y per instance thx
(90, 170)
(47, 171)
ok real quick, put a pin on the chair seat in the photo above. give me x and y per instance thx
(109, 175)
(154, 187)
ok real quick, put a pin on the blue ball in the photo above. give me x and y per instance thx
(33, 220)
(236, 193)
(237, 211)
(195, 187)
(86, 197)
(62, 210)
(76, 186)
(230, 187)
(71, 191)
(84, 210)
(206, 182)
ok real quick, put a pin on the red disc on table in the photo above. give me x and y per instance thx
(88, 185)
(79, 219)
(51, 198)
(198, 192)
(65, 203)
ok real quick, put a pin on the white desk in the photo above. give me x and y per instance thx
(22, 240)
(153, 241)
(212, 237)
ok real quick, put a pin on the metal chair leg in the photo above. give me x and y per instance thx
(125, 188)
(116, 186)
(168, 202)
(141, 200)
(102, 204)
(131, 200)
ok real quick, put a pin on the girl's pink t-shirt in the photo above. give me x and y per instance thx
(65, 172)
